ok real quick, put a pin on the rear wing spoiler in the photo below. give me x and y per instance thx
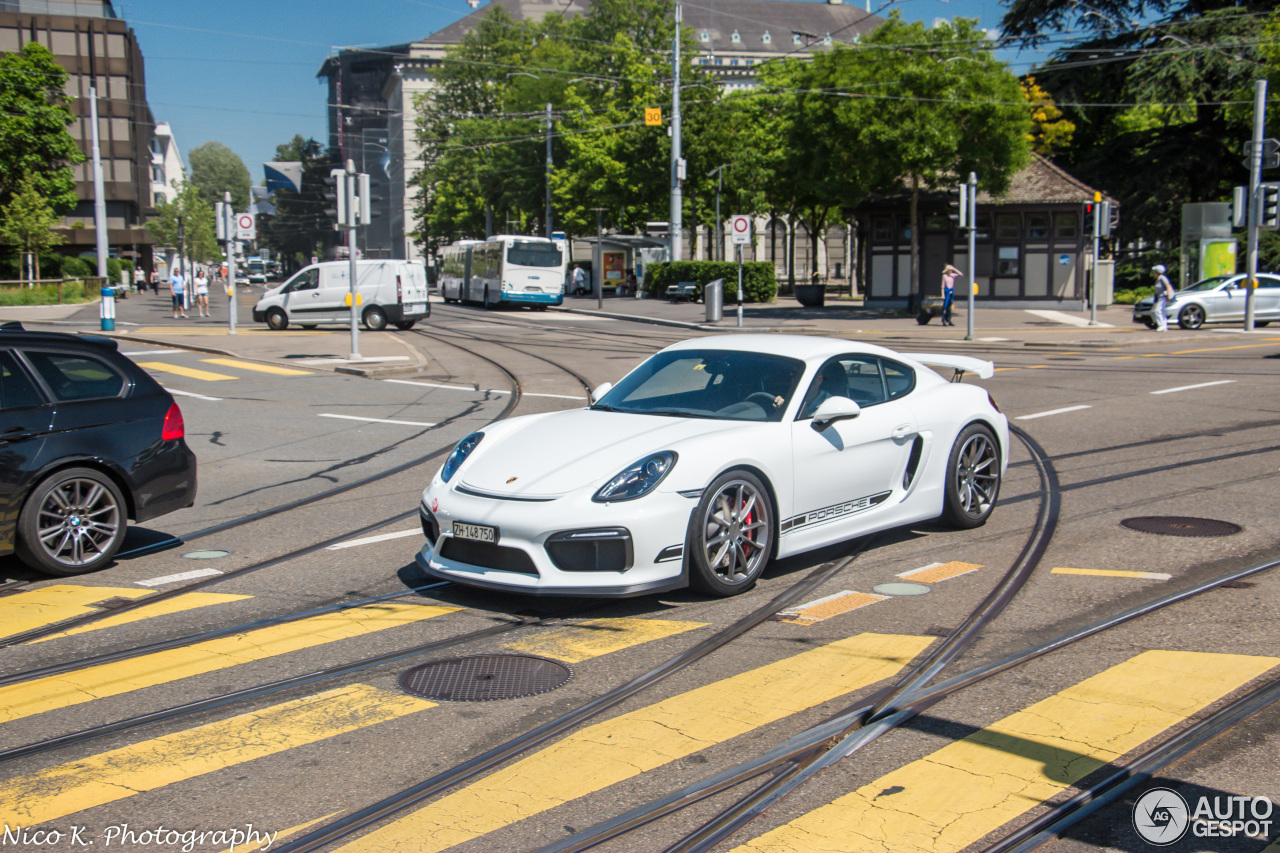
(961, 364)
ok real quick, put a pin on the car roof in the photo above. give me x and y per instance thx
(13, 334)
(808, 348)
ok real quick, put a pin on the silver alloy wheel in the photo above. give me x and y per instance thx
(735, 533)
(977, 475)
(1192, 317)
(78, 522)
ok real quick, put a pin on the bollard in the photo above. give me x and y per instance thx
(108, 309)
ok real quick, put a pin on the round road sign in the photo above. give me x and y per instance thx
(740, 227)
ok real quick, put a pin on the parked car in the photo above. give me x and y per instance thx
(1216, 300)
(88, 440)
(392, 292)
(710, 459)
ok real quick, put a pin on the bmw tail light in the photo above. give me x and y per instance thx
(992, 401)
(173, 428)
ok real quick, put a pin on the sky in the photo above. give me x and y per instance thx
(244, 73)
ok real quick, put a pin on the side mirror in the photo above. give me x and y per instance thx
(834, 409)
(600, 391)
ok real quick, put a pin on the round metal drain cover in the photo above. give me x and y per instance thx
(1176, 525)
(482, 678)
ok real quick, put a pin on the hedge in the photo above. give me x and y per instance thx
(47, 294)
(758, 281)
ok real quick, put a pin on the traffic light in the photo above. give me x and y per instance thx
(1239, 207)
(960, 207)
(1269, 206)
(1088, 219)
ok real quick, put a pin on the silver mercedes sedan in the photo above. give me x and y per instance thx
(1216, 300)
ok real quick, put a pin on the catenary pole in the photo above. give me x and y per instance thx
(99, 193)
(677, 199)
(972, 201)
(1255, 202)
(349, 191)
(548, 234)
(229, 223)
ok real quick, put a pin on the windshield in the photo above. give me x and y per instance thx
(721, 384)
(530, 253)
(1207, 284)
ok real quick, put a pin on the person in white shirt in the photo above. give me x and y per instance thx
(202, 293)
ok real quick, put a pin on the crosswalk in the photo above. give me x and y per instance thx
(944, 801)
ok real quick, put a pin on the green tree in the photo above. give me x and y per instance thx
(34, 115)
(214, 170)
(188, 219)
(27, 222)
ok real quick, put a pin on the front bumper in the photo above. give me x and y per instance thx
(644, 538)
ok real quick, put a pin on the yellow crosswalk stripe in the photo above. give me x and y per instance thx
(939, 572)
(113, 679)
(829, 607)
(38, 608)
(121, 773)
(626, 746)
(261, 368)
(189, 372)
(597, 637)
(958, 794)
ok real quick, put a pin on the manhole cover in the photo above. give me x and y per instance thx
(901, 588)
(1176, 525)
(482, 678)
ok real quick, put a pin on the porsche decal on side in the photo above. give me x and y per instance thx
(830, 513)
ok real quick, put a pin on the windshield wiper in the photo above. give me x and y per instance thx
(672, 413)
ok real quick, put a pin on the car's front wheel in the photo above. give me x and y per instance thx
(277, 320)
(72, 523)
(731, 534)
(1191, 317)
(973, 477)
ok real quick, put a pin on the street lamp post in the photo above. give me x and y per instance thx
(718, 174)
(548, 234)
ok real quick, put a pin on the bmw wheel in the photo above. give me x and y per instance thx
(72, 523)
(731, 534)
(1191, 317)
(973, 478)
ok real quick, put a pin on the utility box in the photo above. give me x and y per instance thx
(1105, 286)
(713, 300)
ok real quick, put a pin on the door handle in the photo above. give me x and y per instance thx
(903, 430)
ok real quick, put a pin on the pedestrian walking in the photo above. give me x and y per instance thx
(155, 281)
(1163, 293)
(140, 280)
(579, 278)
(202, 293)
(949, 276)
(177, 287)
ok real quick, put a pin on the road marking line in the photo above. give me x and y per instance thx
(189, 394)
(591, 759)
(1053, 412)
(445, 387)
(947, 800)
(829, 607)
(122, 773)
(555, 396)
(338, 360)
(150, 352)
(261, 368)
(39, 608)
(177, 604)
(1113, 573)
(1194, 387)
(376, 420)
(936, 572)
(1067, 319)
(183, 576)
(369, 540)
(113, 679)
(597, 637)
(189, 372)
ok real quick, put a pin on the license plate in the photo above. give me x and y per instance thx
(475, 532)
(414, 308)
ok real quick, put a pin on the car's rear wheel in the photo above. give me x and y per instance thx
(405, 325)
(73, 523)
(375, 319)
(277, 320)
(731, 534)
(1191, 317)
(973, 477)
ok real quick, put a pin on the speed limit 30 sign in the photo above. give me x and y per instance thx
(740, 228)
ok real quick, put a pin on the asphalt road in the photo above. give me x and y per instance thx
(1179, 425)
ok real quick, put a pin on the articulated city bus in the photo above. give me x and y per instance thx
(511, 269)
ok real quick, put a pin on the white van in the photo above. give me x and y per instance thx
(392, 292)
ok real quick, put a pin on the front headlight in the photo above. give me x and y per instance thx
(637, 479)
(459, 455)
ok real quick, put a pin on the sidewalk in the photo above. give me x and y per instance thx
(146, 318)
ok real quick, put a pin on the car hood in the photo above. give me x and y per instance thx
(553, 455)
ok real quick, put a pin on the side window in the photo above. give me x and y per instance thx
(16, 390)
(898, 379)
(305, 280)
(75, 376)
(865, 379)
